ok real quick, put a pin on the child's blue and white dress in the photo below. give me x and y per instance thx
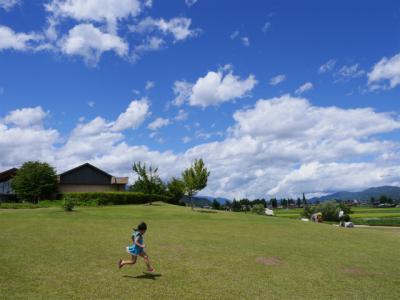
(135, 249)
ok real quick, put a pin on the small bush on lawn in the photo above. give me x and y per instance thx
(258, 209)
(116, 198)
(69, 203)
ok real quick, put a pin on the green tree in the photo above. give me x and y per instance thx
(298, 202)
(34, 181)
(176, 190)
(258, 209)
(216, 204)
(304, 200)
(195, 177)
(148, 181)
(236, 206)
(274, 203)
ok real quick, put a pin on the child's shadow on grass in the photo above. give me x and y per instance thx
(144, 276)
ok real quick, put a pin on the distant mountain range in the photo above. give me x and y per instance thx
(389, 191)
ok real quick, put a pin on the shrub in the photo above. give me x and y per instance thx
(329, 209)
(68, 204)
(18, 205)
(116, 198)
(258, 209)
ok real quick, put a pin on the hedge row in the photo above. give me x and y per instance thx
(115, 198)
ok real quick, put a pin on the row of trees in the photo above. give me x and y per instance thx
(193, 180)
(36, 180)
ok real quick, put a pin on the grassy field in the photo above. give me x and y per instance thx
(46, 253)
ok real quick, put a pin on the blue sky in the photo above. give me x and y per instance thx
(328, 75)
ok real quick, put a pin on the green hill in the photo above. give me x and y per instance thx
(365, 196)
(51, 254)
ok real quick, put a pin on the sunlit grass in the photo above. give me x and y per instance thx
(47, 253)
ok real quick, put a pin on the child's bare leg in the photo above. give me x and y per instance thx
(129, 262)
(147, 262)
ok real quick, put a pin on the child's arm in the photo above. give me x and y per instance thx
(136, 242)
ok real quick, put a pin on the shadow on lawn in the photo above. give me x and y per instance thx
(144, 276)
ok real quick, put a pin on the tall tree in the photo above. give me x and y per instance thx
(176, 190)
(304, 200)
(195, 177)
(34, 181)
(148, 181)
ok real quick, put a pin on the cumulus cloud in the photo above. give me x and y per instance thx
(134, 115)
(277, 79)
(304, 88)
(158, 123)
(328, 66)
(298, 148)
(385, 74)
(88, 28)
(109, 11)
(178, 27)
(214, 88)
(89, 42)
(8, 4)
(26, 117)
(9, 39)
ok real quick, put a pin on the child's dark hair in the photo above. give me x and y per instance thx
(142, 226)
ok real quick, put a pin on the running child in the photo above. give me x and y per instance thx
(137, 249)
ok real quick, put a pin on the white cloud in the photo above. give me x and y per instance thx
(213, 89)
(328, 66)
(190, 2)
(277, 79)
(298, 148)
(181, 116)
(16, 41)
(245, 41)
(179, 27)
(109, 11)
(304, 88)
(8, 4)
(186, 139)
(91, 104)
(182, 90)
(234, 34)
(134, 115)
(158, 123)
(149, 44)
(149, 85)
(90, 42)
(386, 70)
(26, 117)
(346, 73)
(266, 27)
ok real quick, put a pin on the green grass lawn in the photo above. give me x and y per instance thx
(46, 253)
